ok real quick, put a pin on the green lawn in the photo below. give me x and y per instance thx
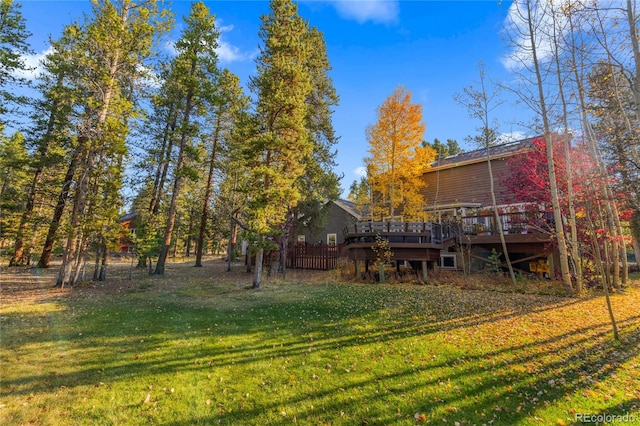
(201, 348)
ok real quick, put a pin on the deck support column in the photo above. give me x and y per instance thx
(425, 273)
(358, 268)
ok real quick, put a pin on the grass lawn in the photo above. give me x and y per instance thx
(198, 347)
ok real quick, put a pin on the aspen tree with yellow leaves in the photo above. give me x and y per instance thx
(397, 160)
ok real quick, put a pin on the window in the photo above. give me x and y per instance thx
(302, 239)
(332, 239)
(448, 261)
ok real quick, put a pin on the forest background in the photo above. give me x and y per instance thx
(108, 101)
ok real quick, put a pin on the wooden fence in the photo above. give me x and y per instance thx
(313, 256)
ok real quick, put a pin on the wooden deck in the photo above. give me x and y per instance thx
(407, 240)
(410, 241)
(528, 237)
(519, 229)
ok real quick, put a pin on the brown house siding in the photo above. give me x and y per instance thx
(468, 183)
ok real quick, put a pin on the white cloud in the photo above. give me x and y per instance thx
(542, 15)
(511, 137)
(360, 171)
(170, 47)
(226, 51)
(33, 64)
(229, 53)
(376, 11)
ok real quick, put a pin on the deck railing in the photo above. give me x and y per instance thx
(512, 223)
(394, 232)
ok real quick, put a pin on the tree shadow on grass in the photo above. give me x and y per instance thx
(124, 336)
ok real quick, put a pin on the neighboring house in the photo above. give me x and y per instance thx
(127, 233)
(458, 192)
(336, 215)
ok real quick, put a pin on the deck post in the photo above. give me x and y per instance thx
(425, 273)
(358, 268)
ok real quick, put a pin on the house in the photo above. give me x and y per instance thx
(460, 184)
(127, 233)
(335, 215)
(457, 194)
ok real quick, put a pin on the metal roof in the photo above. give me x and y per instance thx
(496, 151)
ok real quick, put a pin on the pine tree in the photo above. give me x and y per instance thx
(276, 155)
(112, 47)
(228, 103)
(50, 134)
(193, 74)
(319, 183)
(360, 194)
(444, 150)
(13, 48)
(14, 160)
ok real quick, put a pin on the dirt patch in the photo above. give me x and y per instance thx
(23, 284)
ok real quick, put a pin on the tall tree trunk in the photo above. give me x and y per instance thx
(71, 257)
(43, 150)
(603, 272)
(553, 186)
(632, 18)
(163, 164)
(574, 245)
(233, 227)
(104, 261)
(45, 257)
(207, 194)
(96, 266)
(177, 183)
(257, 278)
(75, 243)
(499, 223)
(609, 201)
(171, 220)
(18, 254)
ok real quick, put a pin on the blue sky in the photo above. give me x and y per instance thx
(432, 48)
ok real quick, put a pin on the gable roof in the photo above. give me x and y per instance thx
(348, 206)
(480, 155)
(127, 217)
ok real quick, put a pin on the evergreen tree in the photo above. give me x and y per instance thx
(14, 160)
(319, 183)
(228, 104)
(13, 48)
(444, 150)
(112, 47)
(193, 75)
(50, 134)
(360, 194)
(276, 155)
